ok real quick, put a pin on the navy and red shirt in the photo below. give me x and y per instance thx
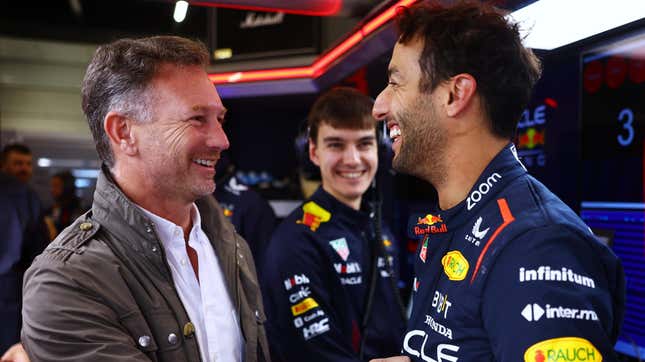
(315, 281)
(512, 274)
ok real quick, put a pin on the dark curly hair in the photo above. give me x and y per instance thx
(474, 38)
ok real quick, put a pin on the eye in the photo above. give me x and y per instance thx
(335, 145)
(366, 145)
(198, 120)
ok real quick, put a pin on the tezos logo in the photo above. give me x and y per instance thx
(482, 189)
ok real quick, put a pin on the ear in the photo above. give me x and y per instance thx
(462, 89)
(313, 154)
(119, 130)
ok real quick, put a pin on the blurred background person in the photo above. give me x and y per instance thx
(247, 210)
(66, 207)
(22, 237)
(17, 161)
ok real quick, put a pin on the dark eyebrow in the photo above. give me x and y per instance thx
(340, 139)
(333, 139)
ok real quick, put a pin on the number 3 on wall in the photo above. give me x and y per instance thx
(626, 117)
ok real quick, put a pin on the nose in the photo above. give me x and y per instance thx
(351, 156)
(217, 137)
(380, 109)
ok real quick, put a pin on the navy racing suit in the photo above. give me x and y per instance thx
(315, 284)
(512, 274)
(251, 215)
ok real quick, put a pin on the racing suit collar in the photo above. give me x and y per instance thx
(338, 209)
(504, 168)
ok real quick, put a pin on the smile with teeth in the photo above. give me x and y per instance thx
(206, 163)
(351, 175)
(395, 132)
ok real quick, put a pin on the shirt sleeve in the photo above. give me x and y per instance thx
(304, 323)
(552, 295)
(65, 321)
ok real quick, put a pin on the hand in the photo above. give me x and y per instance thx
(392, 359)
(15, 354)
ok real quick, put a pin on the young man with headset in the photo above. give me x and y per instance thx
(328, 269)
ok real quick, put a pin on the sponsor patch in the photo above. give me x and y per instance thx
(340, 245)
(299, 295)
(482, 189)
(313, 315)
(387, 243)
(302, 307)
(228, 212)
(316, 329)
(562, 350)
(455, 265)
(313, 215)
(438, 327)
(534, 312)
(347, 268)
(477, 234)
(415, 342)
(424, 249)
(545, 273)
(298, 322)
(429, 224)
(296, 279)
(440, 303)
(351, 280)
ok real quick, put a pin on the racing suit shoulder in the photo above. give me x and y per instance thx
(559, 280)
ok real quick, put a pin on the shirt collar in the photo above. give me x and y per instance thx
(169, 232)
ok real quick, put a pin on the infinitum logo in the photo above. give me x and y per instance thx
(548, 274)
(535, 312)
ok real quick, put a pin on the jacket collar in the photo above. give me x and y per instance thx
(113, 209)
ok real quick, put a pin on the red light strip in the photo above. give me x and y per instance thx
(329, 11)
(321, 64)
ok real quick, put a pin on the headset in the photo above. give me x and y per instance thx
(374, 197)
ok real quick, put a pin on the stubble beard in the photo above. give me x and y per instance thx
(422, 151)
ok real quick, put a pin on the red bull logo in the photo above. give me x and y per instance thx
(428, 225)
(228, 212)
(429, 220)
(313, 215)
(531, 139)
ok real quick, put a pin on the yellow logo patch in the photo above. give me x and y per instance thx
(305, 305)
(455, 265)
(313, 215)
(563, 350)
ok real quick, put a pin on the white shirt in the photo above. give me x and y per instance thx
(207, 302)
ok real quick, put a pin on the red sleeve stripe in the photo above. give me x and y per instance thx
(508, 218)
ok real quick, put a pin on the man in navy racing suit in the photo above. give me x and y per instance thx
(318, 264)
(505, 271)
